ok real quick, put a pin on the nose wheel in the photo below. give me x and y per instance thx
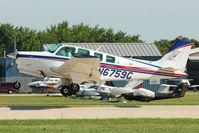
(69, 90)
(16, 85)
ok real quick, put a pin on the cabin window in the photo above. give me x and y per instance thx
(53, 48)
(83, 51)
(99, 56)
(110, 59)
(66, 51)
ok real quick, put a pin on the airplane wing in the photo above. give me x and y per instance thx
(80, 68)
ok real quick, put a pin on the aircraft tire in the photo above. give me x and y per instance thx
(66, 91)
(10, 91)
(16, 85)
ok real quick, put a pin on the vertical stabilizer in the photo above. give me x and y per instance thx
(176, 58)
(134, 84)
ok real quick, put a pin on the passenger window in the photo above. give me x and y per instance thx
(110, 59)
(99, 56)
(66, 51)
(83, 51)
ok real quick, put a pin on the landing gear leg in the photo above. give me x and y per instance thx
(74, 87)
(47, 93)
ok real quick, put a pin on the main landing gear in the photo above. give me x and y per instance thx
(70, 90)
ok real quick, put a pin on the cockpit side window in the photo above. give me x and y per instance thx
(83, 51)
(53, 48)
(66, 51)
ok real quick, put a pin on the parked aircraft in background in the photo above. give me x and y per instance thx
(88, 90)
(50, 84)
(164, 92)
(107, 92)
(46, 83)
(75, 65)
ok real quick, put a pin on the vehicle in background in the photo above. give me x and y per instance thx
(10, 87)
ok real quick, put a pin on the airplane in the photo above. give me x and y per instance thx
(88, 90)
(108, 89)
(164, 92)
(50, 84)
(46, 83)
(74, 65)
(132, 87)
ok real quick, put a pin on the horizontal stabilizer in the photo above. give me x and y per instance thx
(170, 69)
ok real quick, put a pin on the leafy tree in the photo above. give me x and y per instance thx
(7, 34)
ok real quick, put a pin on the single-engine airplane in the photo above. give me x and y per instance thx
(132, 87)
(45, 83)
(50, 84)
(75, 65)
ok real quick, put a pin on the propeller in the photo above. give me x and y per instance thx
(14, 56)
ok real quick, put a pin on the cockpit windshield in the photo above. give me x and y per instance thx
(53, 48)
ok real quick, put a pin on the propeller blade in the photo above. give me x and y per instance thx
(12, 55)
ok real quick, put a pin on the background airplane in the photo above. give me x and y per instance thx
(108, 92)
(50, 84)
(45, 82)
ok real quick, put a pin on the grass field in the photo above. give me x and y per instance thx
(101, 126)
(191, 98)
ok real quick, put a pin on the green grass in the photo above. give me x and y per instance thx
(191, 98)
(101, 126)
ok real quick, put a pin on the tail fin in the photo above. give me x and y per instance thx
(134, 84)
(176, 58)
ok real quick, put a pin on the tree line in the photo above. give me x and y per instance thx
(31, 40)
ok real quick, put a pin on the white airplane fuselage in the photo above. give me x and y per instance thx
(75, 65)
(38, 63)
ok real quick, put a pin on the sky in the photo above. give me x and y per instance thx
(151, 19)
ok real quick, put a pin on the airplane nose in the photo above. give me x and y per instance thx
(13, 55)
